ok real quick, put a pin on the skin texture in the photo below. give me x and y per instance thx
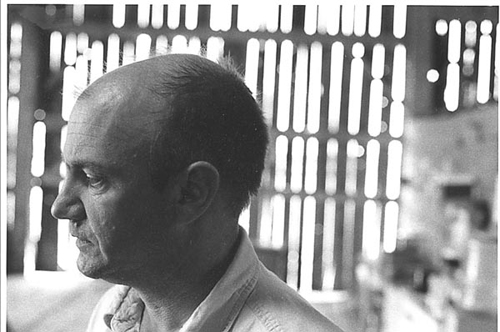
(171, 245)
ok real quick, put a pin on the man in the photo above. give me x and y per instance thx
(162, 155)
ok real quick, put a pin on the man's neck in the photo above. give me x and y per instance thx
(170, 299)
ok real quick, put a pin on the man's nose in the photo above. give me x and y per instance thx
(68, 204)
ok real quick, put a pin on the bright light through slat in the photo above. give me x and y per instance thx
(360, 20)
(347, 19)
(96, 61)
(82, 42)
(336, 71)
(227, 11)
(14, 76)
(80, 76)
(372, 163)
(311, 19)
(35, 229)
(378, 61)
(255, 18)
(179, 44)
(452, 90)
(143, 14)
(68, 95)
(38, 156)
(484, 70)
(12, 120)
(272, 17)
(486, 27)
(441, 27)
(215, 48)
(454, 39)
(157, 16)
(161, 46)
(396, 124)
(16, 34)
(128, 53)
(375, 21)
(331, 166)
(266, 226)
(315, 88)
(173, 15)
(395, 153)
(243, 17)
(64, 133)
(67, 252)
(281, 163)
(399, 73)
(332, 15)
(191, 16)
(194, 46)
(311, 176)
(220, 16)
(143, 46)
(286, 18)
(269, 79)
(252, 65)
(62, 170)
(16, 45)
(244, 219)
(284, 87)
(297, 164)
(351, 167)
(470, 34)
(324, 14)
(113, 58)
(292, 275)
(371, 230)
(328, 261)
(300, 93)
(355, 91)
(278, 230)
(375, 108)
(70, 49)
(307, 254)
(55, 51)
(391, 226)
(399, 21)
(118, 15)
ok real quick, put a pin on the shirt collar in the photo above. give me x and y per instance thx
(216, 313)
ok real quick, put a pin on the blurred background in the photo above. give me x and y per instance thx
(379, 199)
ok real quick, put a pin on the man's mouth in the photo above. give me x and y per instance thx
(80, 243)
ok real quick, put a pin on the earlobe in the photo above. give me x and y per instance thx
(199, 186)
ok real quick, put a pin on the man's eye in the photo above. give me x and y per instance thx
(95, 182)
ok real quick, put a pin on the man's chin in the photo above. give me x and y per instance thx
(90, 270)
(100, 272)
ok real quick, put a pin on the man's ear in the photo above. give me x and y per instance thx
(198, 186)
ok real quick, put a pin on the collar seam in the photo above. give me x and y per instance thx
(244, 292)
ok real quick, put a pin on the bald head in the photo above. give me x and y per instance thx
(181, 109)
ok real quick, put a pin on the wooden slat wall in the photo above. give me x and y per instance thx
(303, 204)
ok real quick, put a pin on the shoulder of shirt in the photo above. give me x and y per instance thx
(277, 307)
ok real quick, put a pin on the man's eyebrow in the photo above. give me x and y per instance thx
(81, 164)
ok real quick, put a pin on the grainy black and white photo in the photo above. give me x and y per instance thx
(253, 166)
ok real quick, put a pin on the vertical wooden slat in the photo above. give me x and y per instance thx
(318, 246)
(339, 243)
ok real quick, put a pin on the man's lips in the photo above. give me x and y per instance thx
(82, 242)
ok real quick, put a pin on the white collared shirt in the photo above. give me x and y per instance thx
(247, 298)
